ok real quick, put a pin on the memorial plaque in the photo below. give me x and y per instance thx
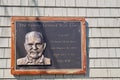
(48, 45)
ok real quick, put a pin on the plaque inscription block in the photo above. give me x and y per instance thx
(48, 45)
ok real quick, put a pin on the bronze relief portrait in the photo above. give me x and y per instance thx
(34, 45)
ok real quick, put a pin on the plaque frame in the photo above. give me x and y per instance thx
(82, 70)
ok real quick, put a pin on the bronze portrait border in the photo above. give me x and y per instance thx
(49, 71)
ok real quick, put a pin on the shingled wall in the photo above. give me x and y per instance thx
(103, 34)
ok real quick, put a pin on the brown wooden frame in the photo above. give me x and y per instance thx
(49, 71)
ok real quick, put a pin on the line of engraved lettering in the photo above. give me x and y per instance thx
(50, 25)
(21, 24)
(63, 48)
(69, 41)
(62, 25)
(65, 41)
(60, 48)
(64, 54)
(65, 61)
(33, 25)
(73, 25)
(28, 25)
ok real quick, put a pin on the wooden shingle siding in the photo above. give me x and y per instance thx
(103, 34)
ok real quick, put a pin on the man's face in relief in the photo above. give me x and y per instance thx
(34, 44)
